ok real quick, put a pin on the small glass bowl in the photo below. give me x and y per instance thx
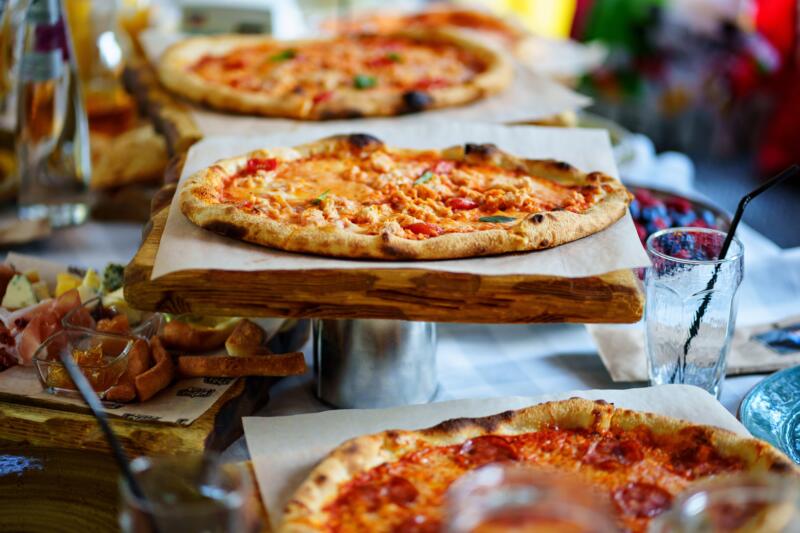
(85, 317)
(101, 357)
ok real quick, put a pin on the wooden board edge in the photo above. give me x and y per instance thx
(23, 422)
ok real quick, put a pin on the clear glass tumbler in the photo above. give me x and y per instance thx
(691, 306)
(508, 498)
(738, 503)
(189, 493)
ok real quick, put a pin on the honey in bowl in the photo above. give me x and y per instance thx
(101, 358)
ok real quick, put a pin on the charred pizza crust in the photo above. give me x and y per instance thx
(305, 512)
(175, 64)
(536, 231)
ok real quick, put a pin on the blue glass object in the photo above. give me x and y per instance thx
(771, 411)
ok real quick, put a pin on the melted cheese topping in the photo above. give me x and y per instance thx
(412, 197)
(318, 69)
(637, 476)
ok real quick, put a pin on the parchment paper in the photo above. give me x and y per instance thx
(531, 96)
(622, 349)
(185, 246)
(284, 449)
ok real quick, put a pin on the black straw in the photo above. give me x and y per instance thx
(790, 172)
(91, 399)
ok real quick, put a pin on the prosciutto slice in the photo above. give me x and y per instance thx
(31, 326)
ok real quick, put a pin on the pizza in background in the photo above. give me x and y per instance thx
(341, 77)
(501, 30)
(353, 196)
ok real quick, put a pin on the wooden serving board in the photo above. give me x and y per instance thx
(403, 294)
(25, 421)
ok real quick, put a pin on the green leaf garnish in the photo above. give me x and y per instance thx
(497, 219)
(393, 56)
(283, 55)
(425, 178)
(364, 81)
(318, 199)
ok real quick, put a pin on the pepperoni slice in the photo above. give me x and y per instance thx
(484, 450)
(367, 495)
(424, 228)
(395, 490)
(642, 500)
(417, 524)
(459, 204)
(399, 490)
(611, 453)
(254, 165)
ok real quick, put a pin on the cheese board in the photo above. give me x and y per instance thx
(35, 421)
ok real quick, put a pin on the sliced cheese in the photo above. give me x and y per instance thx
(19, 293)
(41, 290)
(92, 280)
(66, 282)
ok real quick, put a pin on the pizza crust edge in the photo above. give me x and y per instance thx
(305, 510)
(174, 62)
(538, 231)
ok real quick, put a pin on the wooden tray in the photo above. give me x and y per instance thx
(404, 294)
(24, 421)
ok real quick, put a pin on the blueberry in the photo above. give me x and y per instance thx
(660, 209)
(635, 208)
(685, 219)
(651, 228)
(710, 218)
(648, 214)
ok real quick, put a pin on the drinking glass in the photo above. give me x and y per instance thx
(189, 493)
(691, 306)
(767, 503)
(507, 498)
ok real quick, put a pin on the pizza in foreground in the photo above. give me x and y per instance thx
(341, 77)
(352, 196)
(396, 481)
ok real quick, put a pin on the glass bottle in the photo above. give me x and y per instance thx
(52, 136)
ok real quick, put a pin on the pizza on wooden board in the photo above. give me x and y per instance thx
(352, 196)
(341, 77)
(395, 481)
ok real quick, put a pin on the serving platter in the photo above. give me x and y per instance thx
(402, 294)
(34, 422)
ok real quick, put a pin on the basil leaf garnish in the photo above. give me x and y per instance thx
(364, 81)
(426, 177)
(318, 199)
(283, 55)
(500, 219)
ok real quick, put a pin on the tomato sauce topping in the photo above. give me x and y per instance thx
(317, 70)
(413, 196)
(637, 474)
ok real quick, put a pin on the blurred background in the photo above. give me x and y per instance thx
(700, 96)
